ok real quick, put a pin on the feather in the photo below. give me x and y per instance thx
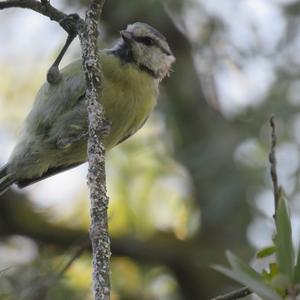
(3, 172)
(6, 179)
(50, 172)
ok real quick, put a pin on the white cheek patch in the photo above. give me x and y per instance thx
(130, 27)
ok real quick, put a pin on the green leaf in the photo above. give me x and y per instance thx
(244, 274)
(265, 252)
(273, 269)
(297, 268)
(240, 266)
(256, 285)
(283, 239)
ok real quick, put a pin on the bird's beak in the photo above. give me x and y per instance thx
(126, 35)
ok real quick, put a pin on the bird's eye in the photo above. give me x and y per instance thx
(147, 40)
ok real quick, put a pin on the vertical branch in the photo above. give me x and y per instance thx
(273, 162)
(96, 154)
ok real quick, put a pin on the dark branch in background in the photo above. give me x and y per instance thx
(19, 217)
(88, 34)
(241, 293)
(272, 159)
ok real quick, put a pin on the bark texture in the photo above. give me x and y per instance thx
(99, 236)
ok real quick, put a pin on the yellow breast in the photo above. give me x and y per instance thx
(129, 96)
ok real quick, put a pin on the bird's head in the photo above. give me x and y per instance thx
(148, 48)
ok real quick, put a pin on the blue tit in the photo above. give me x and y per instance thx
(54, 135)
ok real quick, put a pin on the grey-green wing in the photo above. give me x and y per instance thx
(71, 127)
(50, 172)
(55, 100)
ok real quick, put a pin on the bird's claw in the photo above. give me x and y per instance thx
(105, 128)
(69, 24)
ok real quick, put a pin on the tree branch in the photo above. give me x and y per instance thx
(96, 154)
(73, 258)
(43, 7)
(241, 293)
(273, 162)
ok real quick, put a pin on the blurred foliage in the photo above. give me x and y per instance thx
(190, 184)
(280, 280)
(38, 280)
(146, 165)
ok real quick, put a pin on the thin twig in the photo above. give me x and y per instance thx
(73, 258)
(42, 286)
(238, 294)
(2, 271)
(273, 162)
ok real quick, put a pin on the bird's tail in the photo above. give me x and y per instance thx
(6, 179)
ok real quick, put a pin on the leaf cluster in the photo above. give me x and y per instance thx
(281, 280)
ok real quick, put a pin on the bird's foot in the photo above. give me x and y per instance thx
(69, 24)
(105, 128)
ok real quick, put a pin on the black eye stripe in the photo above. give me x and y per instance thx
(148, 41)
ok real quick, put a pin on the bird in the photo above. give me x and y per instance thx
(55, 132)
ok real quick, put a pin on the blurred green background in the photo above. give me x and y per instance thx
(191, 184)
